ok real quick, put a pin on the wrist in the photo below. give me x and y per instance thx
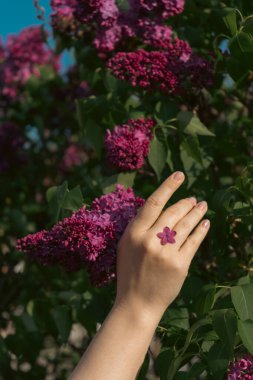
(140, 316)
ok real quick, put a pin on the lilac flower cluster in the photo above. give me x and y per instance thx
(161, 8)
(167, 70)
(11, 143)
(111, 25)
(241, 368)
(22, 57)
(128, 144)
(88, 238)
(63, 18)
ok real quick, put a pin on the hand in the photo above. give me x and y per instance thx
(150, 275)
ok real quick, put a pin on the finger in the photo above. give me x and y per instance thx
(173, 214)
(148, 214)
(190, 247)
(185, 226)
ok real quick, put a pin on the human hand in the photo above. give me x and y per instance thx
(150, 275)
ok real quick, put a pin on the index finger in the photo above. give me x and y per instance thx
(149, 213)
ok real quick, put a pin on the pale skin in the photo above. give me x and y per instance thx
(149, 278)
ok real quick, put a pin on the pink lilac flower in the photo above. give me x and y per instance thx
(167, 236)
(88, 238)
(167, 70)
(25, 53)
(128, 144)
(241, 368)
(11, 143)
(148, 70)
(104, 12)
(62, 18)
(161, 8)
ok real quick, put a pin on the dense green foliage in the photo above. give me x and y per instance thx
(207, 134)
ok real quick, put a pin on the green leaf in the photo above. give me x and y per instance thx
(245, 329)
(230, 20)
(125, 179)
(157, 156)
(163, 362)
(191, 124)
(241, 43)
(225, 325)
(205, 300)
(218, 358)
(178, 317)
(192, 147)
(196, 370)
(73, 199)
(62, 319)
(242, 298)
(166, 110)
(247, 25)
(60, 197)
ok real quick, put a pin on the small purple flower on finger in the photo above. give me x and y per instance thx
(167, 236)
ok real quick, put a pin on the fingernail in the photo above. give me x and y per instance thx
(201, 205)
(206, 223)
(193, 200)
(178, 176)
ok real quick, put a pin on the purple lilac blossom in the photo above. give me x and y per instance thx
(241, 368)
(25, 53)
(62, 18)
(128, 144)
(88, 238)
(161, 8)
(104, 12)
(167, 70)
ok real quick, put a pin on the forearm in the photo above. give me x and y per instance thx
(118, 349)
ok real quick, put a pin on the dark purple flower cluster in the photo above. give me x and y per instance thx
(103, 12)
(62, 18)
(169, 70)
(11, 143)
(88, 238)
(22, 57)
(160, 8)
(241, 368)
(128, 144)
(112, 26)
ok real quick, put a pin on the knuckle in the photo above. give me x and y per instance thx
(148, 245)
(185, 225)
(154, 202)
(173, 211)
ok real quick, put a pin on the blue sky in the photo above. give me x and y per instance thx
(18, 14)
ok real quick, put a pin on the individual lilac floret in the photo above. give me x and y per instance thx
(241, 368)
(88, 238)
(128, 144)
(167, 236)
